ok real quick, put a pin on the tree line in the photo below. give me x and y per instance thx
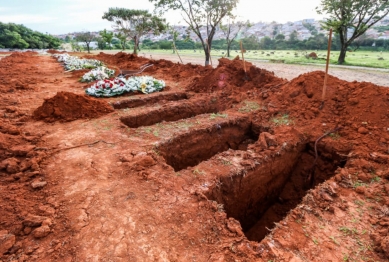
(317, 42)
(20, 37)
(349, 19)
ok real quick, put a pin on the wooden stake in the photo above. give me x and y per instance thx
(244, 64)
(175, 49)
(326, 73)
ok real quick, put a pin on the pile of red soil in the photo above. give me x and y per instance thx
(26, 62)
(164, 69)
(361, 108)
(66, 106)
(313, 55)
(230, 74)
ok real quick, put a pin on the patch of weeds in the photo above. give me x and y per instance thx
(215, 115)
(315, 241)
(359, 202)
(148, 130)
(375, 179)
(334, 136)
(198, 172)
(347, 231)
(155, 150)
(249, 106)
(178, 174)
(155, 133)
(225, 162)
(282, 120)
(334, 240)
(358, 183)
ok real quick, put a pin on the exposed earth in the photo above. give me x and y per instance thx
(222, 165)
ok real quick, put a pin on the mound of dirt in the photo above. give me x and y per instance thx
(360, 107)
(313, 55)
(230, 74)
(164, 69)
(66, 106)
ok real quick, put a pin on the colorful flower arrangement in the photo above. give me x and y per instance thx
(98, 73)
(72, 63)
(120, 85)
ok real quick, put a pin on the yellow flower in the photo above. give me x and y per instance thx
(143, 87)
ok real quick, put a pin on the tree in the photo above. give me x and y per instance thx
(122, 38)
(86, 37)
(106, 36)
(19, 36)
(200, 14)
(231, 31)
(135, 23)
(12, 39)
(351, 18)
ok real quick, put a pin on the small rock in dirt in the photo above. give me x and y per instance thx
(234, 226)
(6, 241)
(27, 230)
(37, 184)
(33, 221)
(363, 130)
(143, 160)
(11, 165)
(360, 190)
(41, 231)
(47, 210)
(364, 177)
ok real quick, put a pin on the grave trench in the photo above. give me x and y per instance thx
(175, 111)
(189, 149)
(150, 99)
(264, 195)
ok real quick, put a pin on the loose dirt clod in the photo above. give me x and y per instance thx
(66, 106)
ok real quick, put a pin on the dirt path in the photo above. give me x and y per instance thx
(213, 168)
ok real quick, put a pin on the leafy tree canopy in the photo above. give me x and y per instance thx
(351, 18)
(19, 36)
(135, 23)
(199, 14)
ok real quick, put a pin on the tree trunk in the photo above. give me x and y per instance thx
(206, 58)
(87, 47)
(135, 45)
(228, 48)
(342, 55)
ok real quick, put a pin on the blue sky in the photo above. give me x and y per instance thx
(65, 16)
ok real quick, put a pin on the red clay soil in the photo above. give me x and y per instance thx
(260, 180)
(66, 106)
(230, 75)
(161, 68)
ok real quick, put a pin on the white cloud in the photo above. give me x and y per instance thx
(25, 18)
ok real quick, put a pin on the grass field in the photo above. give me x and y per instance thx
(358, 58)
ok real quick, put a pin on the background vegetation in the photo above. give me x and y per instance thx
(19, 36)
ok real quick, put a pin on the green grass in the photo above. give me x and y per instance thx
(358, 58)
(213, 115)
(249, 106)
(282, 120)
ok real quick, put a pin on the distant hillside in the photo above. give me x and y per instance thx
(19, 36)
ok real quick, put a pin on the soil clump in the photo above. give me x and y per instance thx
(66, 106)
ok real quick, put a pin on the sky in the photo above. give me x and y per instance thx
(66, 16)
